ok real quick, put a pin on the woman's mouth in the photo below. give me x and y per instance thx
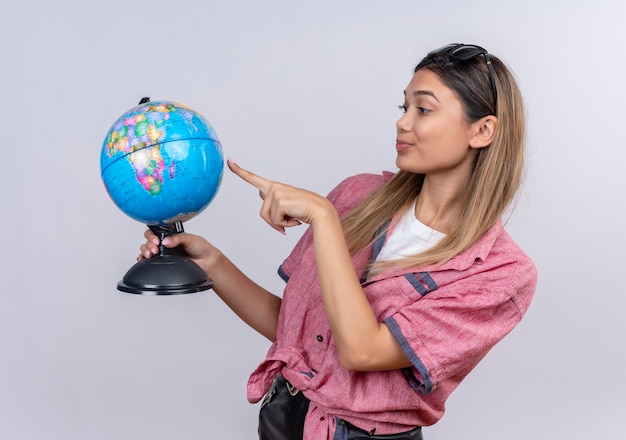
(401, 145)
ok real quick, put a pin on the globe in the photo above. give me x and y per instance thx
(162, 164)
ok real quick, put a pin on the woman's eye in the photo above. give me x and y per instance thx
(420, 110)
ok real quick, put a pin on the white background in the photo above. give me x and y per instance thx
(307, 93)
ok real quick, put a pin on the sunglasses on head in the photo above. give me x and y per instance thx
(464, 52)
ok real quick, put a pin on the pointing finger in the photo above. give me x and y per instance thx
(259, 182)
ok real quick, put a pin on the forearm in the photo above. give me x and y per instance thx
(256, 306)
(362, 342)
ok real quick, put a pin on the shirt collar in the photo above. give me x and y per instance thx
(476, 254)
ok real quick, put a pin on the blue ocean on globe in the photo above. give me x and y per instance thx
(161, 163)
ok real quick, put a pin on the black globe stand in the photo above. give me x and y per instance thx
(165, 273)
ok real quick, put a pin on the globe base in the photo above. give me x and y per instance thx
(165, 275)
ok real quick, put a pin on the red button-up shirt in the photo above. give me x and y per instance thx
(445, 318)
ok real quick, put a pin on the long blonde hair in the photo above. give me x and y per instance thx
(494, 181)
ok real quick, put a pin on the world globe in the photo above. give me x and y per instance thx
(162, 164)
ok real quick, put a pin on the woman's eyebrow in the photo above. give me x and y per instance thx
(423, 92)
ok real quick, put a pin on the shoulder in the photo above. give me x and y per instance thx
(502, 266)
(496, 265)
(518, 269)
(352, 190)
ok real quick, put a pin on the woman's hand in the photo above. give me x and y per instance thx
(283, 205)
(203, 253)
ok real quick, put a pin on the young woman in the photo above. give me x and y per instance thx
(403, 282)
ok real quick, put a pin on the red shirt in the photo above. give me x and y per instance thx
(445, 319)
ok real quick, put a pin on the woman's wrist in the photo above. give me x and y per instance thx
(212, 263)
(325, 213)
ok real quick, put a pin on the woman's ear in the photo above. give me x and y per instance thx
(483, 131)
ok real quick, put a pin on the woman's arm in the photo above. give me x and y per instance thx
(363, 343)
(256, 306)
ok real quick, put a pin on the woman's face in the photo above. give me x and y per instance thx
(433, 135)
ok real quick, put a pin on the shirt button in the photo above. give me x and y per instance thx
(322, 418)
(320, 338)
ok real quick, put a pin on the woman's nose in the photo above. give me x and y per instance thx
(405, 123)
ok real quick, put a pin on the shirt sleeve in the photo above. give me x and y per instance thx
(449, 330)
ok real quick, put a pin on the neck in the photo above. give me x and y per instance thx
(438, 203)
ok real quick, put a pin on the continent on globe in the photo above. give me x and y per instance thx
(149, 167)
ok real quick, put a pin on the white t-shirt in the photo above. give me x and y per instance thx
(409, 237)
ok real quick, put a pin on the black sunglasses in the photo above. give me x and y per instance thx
(464, 52)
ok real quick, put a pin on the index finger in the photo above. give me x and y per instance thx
(261, 183)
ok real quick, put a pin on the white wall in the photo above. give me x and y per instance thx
(304, 92)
